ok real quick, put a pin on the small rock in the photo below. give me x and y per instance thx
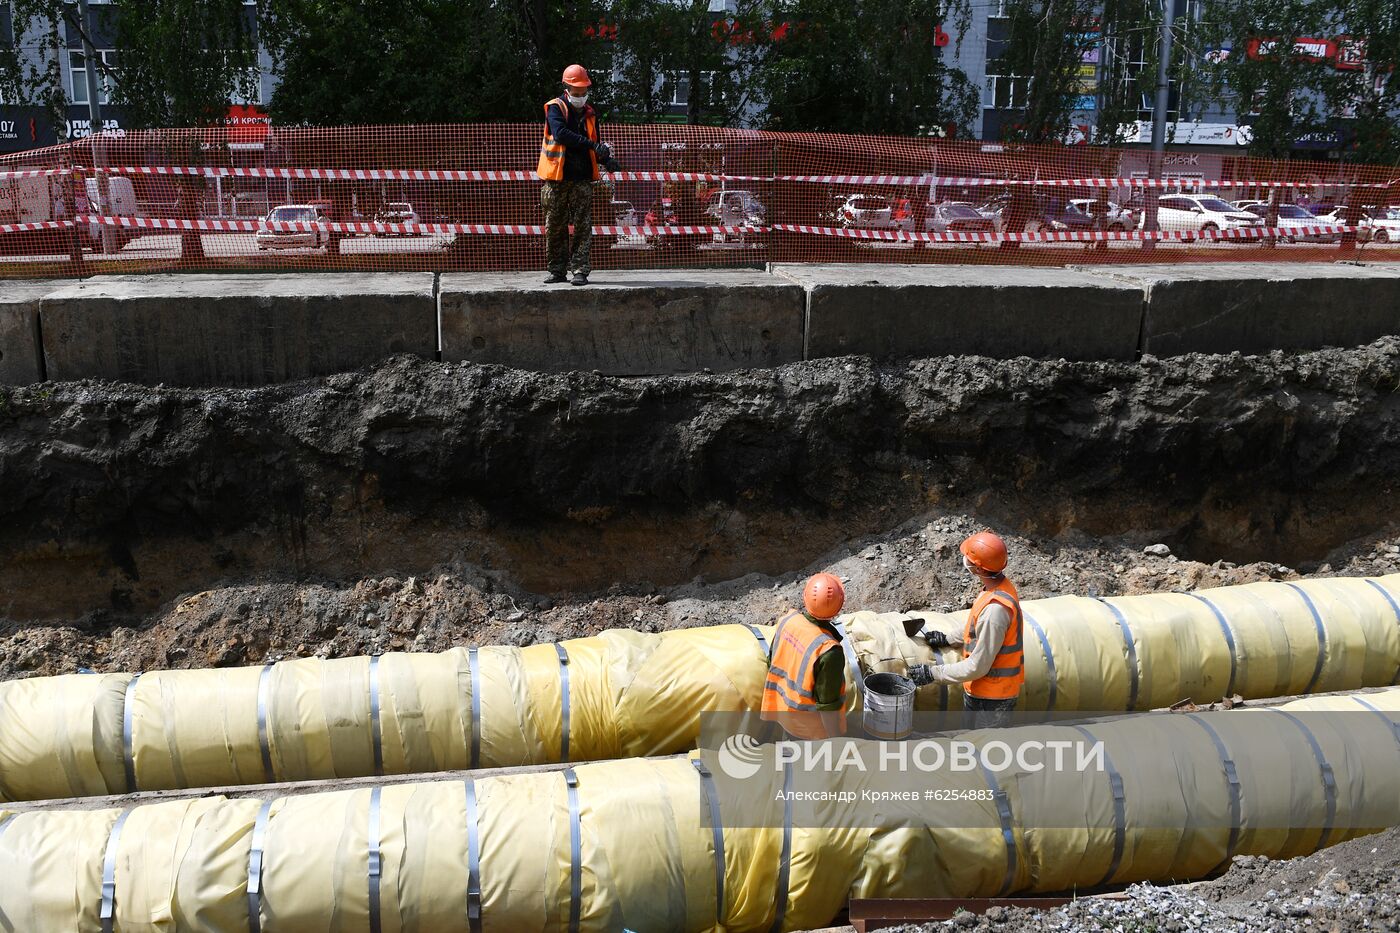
(966, 919)
(995, 914)
(1157, 550)
(1118, 568)
(544, 604)
(1341, 887)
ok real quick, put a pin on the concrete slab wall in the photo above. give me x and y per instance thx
(234, 330)
(625, 322)
(1256, 307)
(21, 348)
(997, 311)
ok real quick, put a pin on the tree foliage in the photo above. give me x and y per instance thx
(1288, 96)
(868, 67)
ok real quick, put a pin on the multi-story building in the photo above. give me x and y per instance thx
(27, 126)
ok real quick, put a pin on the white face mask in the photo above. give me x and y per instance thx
(578, 101)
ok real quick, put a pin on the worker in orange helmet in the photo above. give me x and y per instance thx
(568, 165)
(992, 668)
(805, 691)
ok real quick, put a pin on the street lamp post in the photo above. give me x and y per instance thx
(1159, 115)
(107, 234)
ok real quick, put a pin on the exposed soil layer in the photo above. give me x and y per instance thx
(117, 500)
(1349, 887)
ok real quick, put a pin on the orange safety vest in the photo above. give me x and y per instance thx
(551, 167)
(789, 693)
(1008, 673)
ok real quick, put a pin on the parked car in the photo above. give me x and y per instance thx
(1202, 213)
(1045, 213)
(736, 207)
(1376, 224)
(1120, 218)
(267, 238)
(956, 217)
(1290, 215)
(864, 211)
(398, 212)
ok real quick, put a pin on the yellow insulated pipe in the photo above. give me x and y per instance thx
(623, 693)
(654, 845)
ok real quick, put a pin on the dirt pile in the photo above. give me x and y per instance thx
(116, 499)
(1352, 886)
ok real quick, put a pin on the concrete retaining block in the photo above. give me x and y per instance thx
(1257, 307)
(635, 322)
(996, 311)
(234, 330)
(21, 352)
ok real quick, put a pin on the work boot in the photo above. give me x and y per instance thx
(580, 278)
(555, 278)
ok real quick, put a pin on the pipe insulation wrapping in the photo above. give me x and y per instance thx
(626, 844)
(623, 693)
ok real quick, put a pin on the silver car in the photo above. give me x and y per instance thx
(314, 238)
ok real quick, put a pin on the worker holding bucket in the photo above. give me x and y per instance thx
(992, 669)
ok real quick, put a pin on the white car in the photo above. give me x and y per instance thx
(1202, 213)
(314, 238)
(398, 212)
(1120, 218)
(1378, 224)
(1291, 216)
(867, 211)
(736, 208)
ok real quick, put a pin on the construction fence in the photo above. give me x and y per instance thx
(462, 198)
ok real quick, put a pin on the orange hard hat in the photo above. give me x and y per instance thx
(823, 596)
(577, 76)
(985, 551)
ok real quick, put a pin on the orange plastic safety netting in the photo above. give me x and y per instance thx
(467, 198)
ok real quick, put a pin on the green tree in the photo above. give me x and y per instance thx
(1369, 97)
(662, 43)
(867, 67)
(421, 61)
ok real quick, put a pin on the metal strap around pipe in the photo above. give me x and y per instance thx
(1232, 780)
(707, 784)
(565, 701)
(375, 860)
(474, 667)
(785, 864)
(108, 910)
(759, 635)
(1321, 636)
(128, 756)
(1329, 780)
(1395, 607)
(473, 861)
(1229, 640)
(852, 661)
(1120, 810)
(264, 741)
(1008, 833)
(1050, 674)
(1131, 647)
(376, 727)
(1385, 717)
(575, 851)
(255, 868)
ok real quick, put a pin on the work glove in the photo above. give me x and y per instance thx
(936, 639)
(920, 674)
(604, 151)
(610, 164)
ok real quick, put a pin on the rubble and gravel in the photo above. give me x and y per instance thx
(1343, 889)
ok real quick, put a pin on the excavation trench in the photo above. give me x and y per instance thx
(116, 499)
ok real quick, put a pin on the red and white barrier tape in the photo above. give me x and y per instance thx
(34, 173)
(260, 226)
(1066, 236)
(484, 175)
(36, 225)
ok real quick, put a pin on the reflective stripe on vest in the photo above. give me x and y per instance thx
(551, 164)
(1008, 671)
(790, 686)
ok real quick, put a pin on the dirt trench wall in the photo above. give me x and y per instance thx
(115, 498)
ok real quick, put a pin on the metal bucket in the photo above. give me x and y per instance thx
(889, 705)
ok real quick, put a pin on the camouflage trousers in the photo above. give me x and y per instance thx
(565, 203)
